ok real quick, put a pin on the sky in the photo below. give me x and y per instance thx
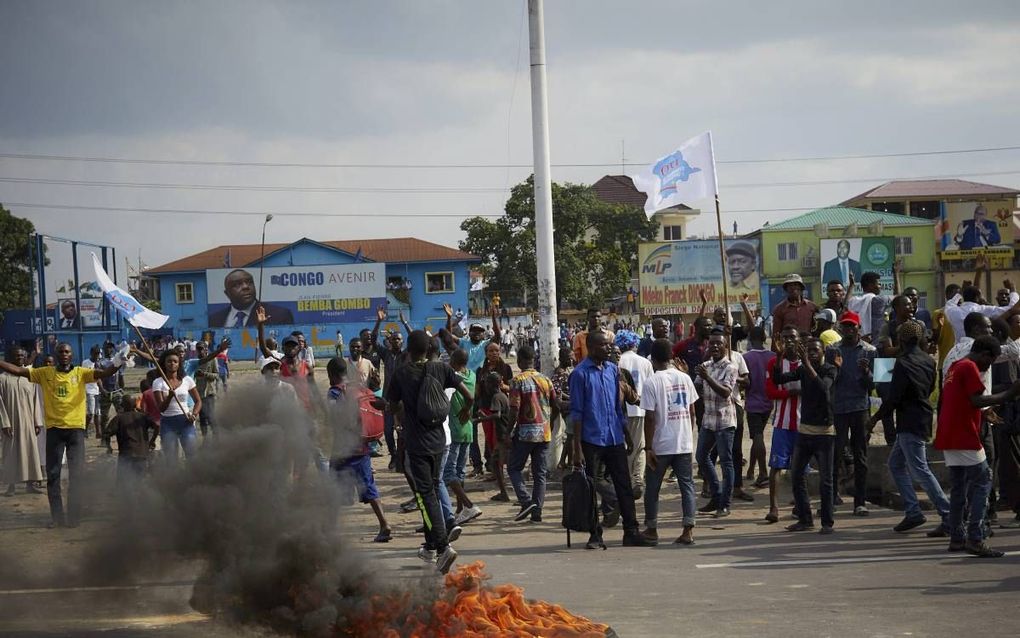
(224, 84)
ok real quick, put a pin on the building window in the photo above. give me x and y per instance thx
(672, 233)
(788, 251)
(924, 210)
(185, 292)
(904, 246)
(888, 207)
(437, 282)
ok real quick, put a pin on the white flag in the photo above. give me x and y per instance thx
(686, 174)
(134, 312)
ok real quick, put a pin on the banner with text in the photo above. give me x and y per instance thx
(296, 294)
(855, 256)
(673, 274)
(968, 226)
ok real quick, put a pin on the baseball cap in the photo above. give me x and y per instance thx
(850, 317)
(266, 361)
(826, 314)
(476, 326)
(290, 339)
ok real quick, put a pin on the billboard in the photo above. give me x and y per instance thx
(72, 315)
(296, 294)
(857, 255)
(673, 274)
(978, 225)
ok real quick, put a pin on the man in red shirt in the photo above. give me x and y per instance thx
(959, 438)
(795, 310)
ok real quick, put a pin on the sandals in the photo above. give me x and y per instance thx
(384, 536)
(763, 481)
(771, 518)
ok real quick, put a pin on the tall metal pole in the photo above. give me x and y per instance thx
(549, 330)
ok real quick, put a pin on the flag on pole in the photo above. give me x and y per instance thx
(686, 174)
(136, 314)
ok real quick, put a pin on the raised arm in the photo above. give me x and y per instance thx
(260, 321)
(380, 316)
(704, 302)
(897, 275)
(15, 370)
(403, 321)
(748, 315)
(496, 332)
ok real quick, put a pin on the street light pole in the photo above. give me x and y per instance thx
(262, 258)
(548, 329)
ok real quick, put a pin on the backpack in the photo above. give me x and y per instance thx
(580, 505)
(433, 406)
(372, 420)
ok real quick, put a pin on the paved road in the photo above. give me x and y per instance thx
(743, 578)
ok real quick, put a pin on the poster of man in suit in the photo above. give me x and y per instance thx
(845, 262)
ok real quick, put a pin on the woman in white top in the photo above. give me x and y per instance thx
(177, 425)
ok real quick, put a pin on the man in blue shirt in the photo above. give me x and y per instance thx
(601, 440)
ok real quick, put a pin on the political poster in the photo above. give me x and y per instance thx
(296, 294)
(673, 275)
(70, 314)
(971, 228)
(846, 256)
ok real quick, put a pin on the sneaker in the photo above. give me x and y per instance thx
(651, 534)
(536, 515)
(453, 533)
(939, 532)
(743, 496)
(467, 515)
(800, 527)
(722, 512)
(445, 560)
(500, 498)
(1012, 523)
(981, 550)
(409, 505)
(709, 507)
(525, 512)
(594, 542)
(639, 490)
(610, 519)
(908, 523)
(427, 555)
(826, 530)
(957, 546)
(636, 539)
(861, 510)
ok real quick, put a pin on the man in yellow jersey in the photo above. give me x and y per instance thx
(63, 393)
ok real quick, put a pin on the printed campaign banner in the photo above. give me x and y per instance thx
(857, 255)
(673, 274)
(977, 225)
(72, 315)
(296, 294)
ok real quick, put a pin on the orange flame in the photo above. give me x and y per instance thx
(468, 608)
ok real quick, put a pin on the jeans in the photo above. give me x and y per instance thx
(970, 485)
(852, 428)
(177, 431)
(738, 448)
(636, 460)
(520, 452)
(808, 447)
(683, 467)
(908, 464)
(59, 440)
(423, 471)
(456, 462)
(723, 442)
(614, 460)
(205, 417)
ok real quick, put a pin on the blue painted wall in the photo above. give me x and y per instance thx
(426, 310)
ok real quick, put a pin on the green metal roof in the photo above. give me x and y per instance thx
(841, 217)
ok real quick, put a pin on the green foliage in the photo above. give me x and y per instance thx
(17, 261)
(153, 304)
(595, 243)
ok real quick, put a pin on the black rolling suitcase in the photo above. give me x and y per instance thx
(580, 504)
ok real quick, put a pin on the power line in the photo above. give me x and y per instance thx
(439, 190)
(189, 211)
(126, 160)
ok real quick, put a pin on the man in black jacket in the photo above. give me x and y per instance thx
(816, 434)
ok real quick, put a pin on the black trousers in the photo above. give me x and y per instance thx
(425, 471)
(613, 459)
(852, 429)
(59, 440)
(808, 447)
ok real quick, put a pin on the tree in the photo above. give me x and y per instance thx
(595, 243)
(18, 261)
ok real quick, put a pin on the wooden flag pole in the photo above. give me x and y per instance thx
(722, 259)
(158, 367)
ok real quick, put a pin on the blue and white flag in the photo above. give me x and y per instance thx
(136, 314)
(684, 175)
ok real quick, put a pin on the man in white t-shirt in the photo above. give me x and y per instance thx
(92, 395)
(668, 398)
(640, 370)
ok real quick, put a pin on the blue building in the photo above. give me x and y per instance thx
(419, 278)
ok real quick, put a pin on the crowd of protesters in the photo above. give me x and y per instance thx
(631, 401)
